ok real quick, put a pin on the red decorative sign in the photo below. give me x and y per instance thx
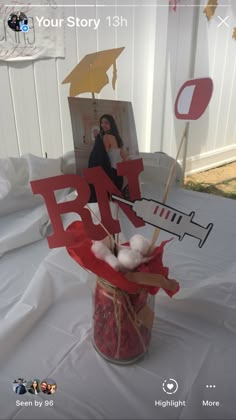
(193, 98)
(103, 187)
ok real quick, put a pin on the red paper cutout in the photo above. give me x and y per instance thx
(201, 95)
(132, 174)
(174, 3)
(46, 188)
(103, 185)
(82, 254)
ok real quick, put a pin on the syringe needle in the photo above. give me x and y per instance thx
(122, 200)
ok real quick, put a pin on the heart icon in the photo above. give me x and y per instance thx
(170, 386)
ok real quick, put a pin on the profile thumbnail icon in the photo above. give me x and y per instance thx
(33, 386)
(18, 22)
(48, 386)
(19, 386)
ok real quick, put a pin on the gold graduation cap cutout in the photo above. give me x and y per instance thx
(90, 74)
(210, 8)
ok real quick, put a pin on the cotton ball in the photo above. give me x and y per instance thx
(103, 253)
(140, 244)
(113, 262)
(129, 258)
(100, 250)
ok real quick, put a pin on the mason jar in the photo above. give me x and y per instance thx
(122, 322)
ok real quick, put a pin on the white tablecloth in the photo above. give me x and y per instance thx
(45, 328)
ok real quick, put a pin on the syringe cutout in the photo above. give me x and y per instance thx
(167, 218)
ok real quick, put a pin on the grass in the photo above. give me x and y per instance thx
(210, 188)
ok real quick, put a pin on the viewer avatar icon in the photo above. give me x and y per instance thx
(19, 386)
(48, 386)
(33, 386)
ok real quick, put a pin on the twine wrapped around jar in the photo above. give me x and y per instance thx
(122, 322)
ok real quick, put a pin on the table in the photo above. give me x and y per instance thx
(45, 328)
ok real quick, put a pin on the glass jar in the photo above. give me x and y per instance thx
(122, 322)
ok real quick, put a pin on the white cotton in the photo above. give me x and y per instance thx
(113, 262)
(100, 250)
(103, 253)
(129, 258)
(140, 244)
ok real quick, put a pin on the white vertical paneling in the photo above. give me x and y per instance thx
(26, 107)
(144, 46)
(215, 57)
(86, 37)
(106, 40)
(183, 67)
(224, 36)
(179, 64)
(64, 66)
(124, 38)
(149, 77)
(47, 98)
(159, 82)
(226, 131)
(214, 44)
(8, 134)
(212, 53)
(173, 53)
(230, 134)
(204, 56)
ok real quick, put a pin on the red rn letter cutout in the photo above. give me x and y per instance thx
(103, 185)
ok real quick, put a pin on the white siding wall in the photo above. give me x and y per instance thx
(162, 50)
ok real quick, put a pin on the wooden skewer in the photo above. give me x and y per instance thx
(112, 240)
(157, 230)
(117, 216)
